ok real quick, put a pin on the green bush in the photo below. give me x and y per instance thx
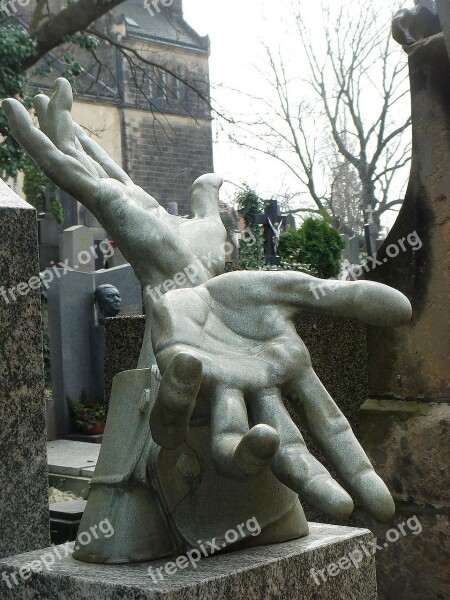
(251, 256)
(316, 244)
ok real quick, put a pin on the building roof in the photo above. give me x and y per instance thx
(149, 19)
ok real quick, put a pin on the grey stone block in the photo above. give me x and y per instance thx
(66, 457)
(280, 571)
(23, 465)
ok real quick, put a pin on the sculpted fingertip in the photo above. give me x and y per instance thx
(7, 106)
(61, 83)
(40, 101)
(377, 498)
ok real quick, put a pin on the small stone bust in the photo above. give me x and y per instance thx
(109, 303)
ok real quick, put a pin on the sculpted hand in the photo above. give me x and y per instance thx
(157, 244)
(229, 348)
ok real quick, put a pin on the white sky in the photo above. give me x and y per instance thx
(237, 29)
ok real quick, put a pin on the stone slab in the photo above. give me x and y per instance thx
(85, 437)
(280, 571)
(71, 458)
(23, 465)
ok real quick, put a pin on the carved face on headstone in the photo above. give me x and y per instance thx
(108, 301)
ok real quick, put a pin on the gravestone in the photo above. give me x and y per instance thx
(78, 243)
(172, 208)
(351, 250)
(48, 240)
(23, 465)
(290, 222)
(71, 316)
(274, 224)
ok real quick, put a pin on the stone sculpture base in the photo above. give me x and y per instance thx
(283, 571)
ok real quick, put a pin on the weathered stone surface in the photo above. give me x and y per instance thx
(443, 8)
(23, 466)
(278, 571)
(412, 361)
(338, 349)
(407, 443)
(414, 566)
(404, 426)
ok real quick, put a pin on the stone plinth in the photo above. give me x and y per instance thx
(282, 571)
(23, 465)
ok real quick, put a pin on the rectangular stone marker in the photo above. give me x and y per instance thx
(289, 571)
(78, 242)
(23, 463)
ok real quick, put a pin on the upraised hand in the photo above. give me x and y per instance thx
(157, 244)
(229, 347)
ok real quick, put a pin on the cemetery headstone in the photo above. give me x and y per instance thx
(274, 224)
(172, 208)
(78, 244)
(48, 240)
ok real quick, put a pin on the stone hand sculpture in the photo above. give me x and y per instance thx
(239, 328)
(203, 443)
(108, 301)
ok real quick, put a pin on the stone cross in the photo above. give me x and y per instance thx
(274, 224)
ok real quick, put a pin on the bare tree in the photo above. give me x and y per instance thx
(353, 85)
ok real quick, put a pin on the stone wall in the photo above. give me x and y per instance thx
(24, 518)
(167, 166)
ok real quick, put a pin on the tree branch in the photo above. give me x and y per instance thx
(72, 19)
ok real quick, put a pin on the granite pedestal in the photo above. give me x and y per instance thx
(23, 466)
(289, 571)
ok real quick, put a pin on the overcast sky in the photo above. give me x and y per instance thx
(237, 29)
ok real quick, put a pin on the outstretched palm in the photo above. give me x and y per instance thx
(237, 338)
